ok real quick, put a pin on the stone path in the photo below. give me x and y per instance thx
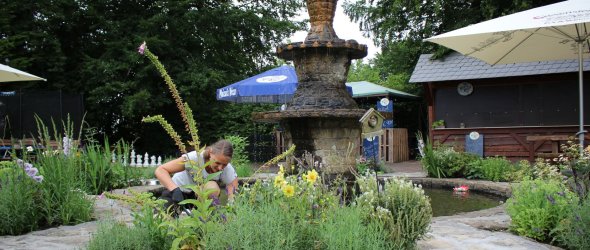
(486, 229)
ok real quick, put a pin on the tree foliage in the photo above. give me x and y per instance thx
(90, 47)
(400, 26)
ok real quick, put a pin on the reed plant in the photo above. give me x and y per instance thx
(63, 201)
(118, 235)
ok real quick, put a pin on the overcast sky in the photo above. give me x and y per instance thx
(345, 29)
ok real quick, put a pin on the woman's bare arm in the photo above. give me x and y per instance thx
(164, 171)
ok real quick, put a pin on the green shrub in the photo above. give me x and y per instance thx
(536, 206)
(18, 201)
(523, 169)
(574, 231)
(400, 205)
(239, 159)
(444, 161)
(491, 168)
(540, 169)
(266, 226)
(244, 170)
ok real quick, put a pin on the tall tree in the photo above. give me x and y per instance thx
(90, 47)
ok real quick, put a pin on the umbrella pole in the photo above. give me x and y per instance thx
(581, 86)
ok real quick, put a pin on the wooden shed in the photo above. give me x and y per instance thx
(525, 110)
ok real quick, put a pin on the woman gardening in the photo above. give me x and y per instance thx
(218, 155)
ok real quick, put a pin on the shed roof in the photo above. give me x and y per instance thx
(366, 89)
(456, 66)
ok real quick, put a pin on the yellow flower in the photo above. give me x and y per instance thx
(279, 181)
(289, 190)
(311, 176)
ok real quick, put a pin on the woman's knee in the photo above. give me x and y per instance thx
(212, 185)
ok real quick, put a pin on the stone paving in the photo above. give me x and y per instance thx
(485, 229)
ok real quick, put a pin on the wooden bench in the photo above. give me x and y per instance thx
(8, 145)
(556, 142)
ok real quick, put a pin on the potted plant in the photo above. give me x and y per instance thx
(438, 124)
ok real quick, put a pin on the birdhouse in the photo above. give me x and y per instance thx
(372, 122)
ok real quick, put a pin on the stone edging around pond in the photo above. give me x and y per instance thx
(503, 189)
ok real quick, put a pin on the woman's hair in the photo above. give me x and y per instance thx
(223, 147)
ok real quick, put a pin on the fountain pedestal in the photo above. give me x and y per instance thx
(322, 118)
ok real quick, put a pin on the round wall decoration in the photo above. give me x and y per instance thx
(474, 135)
(465, 88)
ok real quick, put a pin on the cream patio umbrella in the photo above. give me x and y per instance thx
(9, 74)
(553, 32)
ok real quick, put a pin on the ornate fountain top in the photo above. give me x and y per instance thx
(322, 34)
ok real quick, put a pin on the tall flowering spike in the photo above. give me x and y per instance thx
(191, 126)
(142, 48)
(281, 156)
(177, 99)
(169, 130)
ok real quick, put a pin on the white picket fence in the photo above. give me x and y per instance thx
(138, 160)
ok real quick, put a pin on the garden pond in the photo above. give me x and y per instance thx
(446, 202)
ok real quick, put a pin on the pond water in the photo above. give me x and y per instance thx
(446, 202)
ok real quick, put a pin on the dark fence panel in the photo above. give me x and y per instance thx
(261, 148)
(20, 108)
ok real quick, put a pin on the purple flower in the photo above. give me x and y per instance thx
(67, 144)
(31, 171)
(38, 178)
(141, 48)
(215, 201)
(551, 199)
(223, 217)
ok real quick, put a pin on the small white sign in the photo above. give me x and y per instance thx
(271, 79)
(384, 102)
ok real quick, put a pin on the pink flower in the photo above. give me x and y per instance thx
(141, 48)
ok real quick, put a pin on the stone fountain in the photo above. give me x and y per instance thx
(322, 118)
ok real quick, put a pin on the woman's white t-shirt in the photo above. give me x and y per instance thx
(228, 174)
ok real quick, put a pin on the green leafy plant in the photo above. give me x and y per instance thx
(536, 207)
(574, 231)
(187, 231)
(295, 212)
(576, 161)
(438, 123)
(19, 195)
(444, 161)
(400, 205)
(491, 168)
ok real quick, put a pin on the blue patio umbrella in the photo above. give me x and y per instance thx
(273, 86)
